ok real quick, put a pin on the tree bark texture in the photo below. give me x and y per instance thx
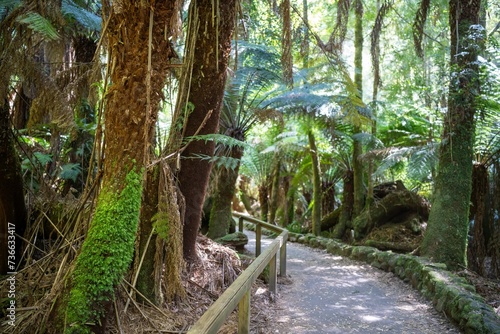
(13, 217)
(476, 251)
(286, 47)
(131, 109)
(445, 239)
(316, 209)
(273, 204)
(213, 46)
(347, 205)
(221, 213)
(391, 209)
(357, 166)
(264, 201)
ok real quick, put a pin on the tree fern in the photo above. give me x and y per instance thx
(39, 24)
(84, 17)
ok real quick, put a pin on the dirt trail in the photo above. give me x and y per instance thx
(332, 294)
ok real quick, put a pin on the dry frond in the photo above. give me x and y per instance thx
(169, 197)
(375, 40)
(418, 26)
(339, 31)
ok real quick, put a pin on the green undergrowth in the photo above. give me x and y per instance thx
(105, 256)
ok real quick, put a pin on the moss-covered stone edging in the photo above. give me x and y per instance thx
(449, 293)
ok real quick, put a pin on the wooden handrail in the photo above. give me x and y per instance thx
(238, 293)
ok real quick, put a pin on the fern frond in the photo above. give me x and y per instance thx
(219, 160)
(84, 17)
(39, 24)
(228, 141)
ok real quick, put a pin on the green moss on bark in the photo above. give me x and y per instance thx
(106, 255)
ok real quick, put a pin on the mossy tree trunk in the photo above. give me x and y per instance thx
(359, 190)
(446, 237)
(316, 208)
(347, 205)
(273, 205)
(286, 46)
(477, 248)
(12, 206)
(131, 109)
(264, 201)
(221, 213)
(211, 56)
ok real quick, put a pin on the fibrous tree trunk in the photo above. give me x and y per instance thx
(221, 212)
(316, 209)
(211, 36)
(445, 239)
(273, 204)
(347, 205)
(476, 251)
(131, 109)
(12, 207)
(264, 201)
(286, 53)
(357, 166)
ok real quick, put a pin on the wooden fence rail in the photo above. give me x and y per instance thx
(238, 293)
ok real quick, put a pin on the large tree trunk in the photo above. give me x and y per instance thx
(476, 252)
(221, 212)
(446, 237)
(131, 109)
(286, 46)
(12, 206)
(316, 209)
(264, 201)
(391, 209)
(213, 45)
(347, 205)
(357, 166)
(273, 204)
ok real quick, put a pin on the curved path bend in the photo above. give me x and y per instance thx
(323, 293)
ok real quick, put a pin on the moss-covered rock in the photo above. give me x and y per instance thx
(236, 240)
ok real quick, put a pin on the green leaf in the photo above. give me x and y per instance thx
(81, 15)
(70, 171)
(40, 24)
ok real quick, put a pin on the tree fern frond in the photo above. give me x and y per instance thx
(218, 138)
(219, 160)
(422, 162)
(419, 24)
(39, 24)
(84, 17)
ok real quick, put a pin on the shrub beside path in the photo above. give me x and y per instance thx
(324, 293)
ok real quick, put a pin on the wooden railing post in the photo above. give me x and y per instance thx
(283, 259)
(240, 224)
(244, 314)
(258, 237)
(273, 275)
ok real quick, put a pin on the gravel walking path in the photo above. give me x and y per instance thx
(331, 294)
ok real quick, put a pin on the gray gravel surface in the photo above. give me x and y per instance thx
(331, 294)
